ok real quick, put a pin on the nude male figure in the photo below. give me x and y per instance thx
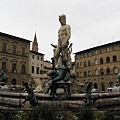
(64, 34)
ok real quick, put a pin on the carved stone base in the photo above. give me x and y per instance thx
(60, 90)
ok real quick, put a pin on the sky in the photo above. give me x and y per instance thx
(93, 22)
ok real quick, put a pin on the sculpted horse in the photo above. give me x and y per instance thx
(38, 85)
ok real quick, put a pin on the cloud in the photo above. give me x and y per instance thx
(91, 21)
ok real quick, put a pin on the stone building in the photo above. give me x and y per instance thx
(14, 58)
(46, 71)
(73, 67)
(36, 61)
(100, 64)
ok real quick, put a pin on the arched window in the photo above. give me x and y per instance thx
(23, 70)
(77, 65)
(89, 53)
(95, 85)
(89, 63)
(96, 61)
(80, 74)
(111, 84)
(101, 71)
(101, 60)
(84, 64)
(14, 67)
(108, 70)
(103, 86)
(107, 59)
(115, 70)
(85, 73)
(96, 72)
(77, 74)
(114, 58)
(89, 73)
(81, 64)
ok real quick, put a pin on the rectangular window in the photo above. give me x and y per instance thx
(96, 52)
(114, 47)
(85, 54)
(41, 58)
(32, 69)
(14, 49)
(37, 57)
(14, 68)
(107, 49)
(101, 50)
(23, 50)
(78, 56)
(89, 53)
(4, 66)
(41, 71)
(37, 71)
(33, 56)
(4, 47)
(23, 69)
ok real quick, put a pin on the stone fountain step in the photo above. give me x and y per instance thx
(75, 101)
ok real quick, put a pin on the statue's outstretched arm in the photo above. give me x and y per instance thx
(53, 45)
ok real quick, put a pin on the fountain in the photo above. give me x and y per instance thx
(59, 91)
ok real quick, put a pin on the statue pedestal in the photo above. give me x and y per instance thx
(61, 90)
(3, 86)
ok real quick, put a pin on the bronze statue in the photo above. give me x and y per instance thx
(62, 74)
(90, 100)
(88, 92)
(31, 96)
(118, 78)
(59, 74)
(3, 77)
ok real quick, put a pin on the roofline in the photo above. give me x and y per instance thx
(11, 36)
(36, 52)
(97, 46)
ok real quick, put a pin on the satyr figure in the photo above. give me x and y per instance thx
(31, 96)
(64, 34)
(3, 77)
(88, 92)
(118, 78)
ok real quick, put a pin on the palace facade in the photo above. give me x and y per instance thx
(100, 64)
(14, 58)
